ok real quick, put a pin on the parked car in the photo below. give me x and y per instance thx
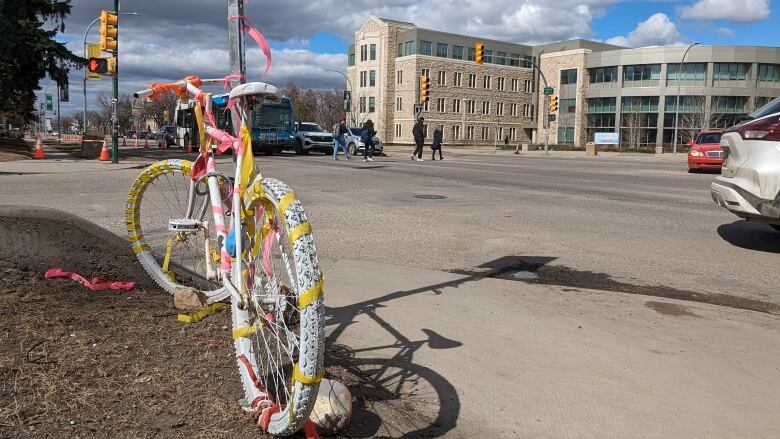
(168, 132)
(705, 152)
(749, 184)
(310, 136)
(356, 146)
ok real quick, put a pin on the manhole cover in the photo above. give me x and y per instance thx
(430, 197)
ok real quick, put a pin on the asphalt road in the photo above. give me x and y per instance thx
(639, 219)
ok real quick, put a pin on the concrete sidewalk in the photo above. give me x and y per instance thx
(482, 357)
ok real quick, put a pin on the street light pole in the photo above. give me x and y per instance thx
(677, 103)
(350, 90)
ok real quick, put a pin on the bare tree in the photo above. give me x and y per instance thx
(156, 109)
(703, 117)
(632, 129)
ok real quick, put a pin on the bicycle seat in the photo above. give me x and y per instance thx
(258, 89)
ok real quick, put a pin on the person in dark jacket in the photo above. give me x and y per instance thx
(436, 145)
(368, 141)
(419, 139)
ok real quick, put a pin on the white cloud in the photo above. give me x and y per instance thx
(658, 30)
(740, 11)
(725, 32)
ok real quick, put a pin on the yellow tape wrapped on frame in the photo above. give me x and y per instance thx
(200, 315)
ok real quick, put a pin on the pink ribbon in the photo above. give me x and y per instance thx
(230, 78)
(96, 284)
(248, 28)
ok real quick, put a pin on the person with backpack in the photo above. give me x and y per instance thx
(367, 137)
(436, 145)
(419, 139)
(339, 136)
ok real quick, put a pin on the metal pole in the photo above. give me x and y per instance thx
(115, 97)
(59, 126)
(350, 90)
(677, 103)
(235, 39)
(85, 71)
(546, 121)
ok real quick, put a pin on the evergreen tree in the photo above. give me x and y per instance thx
(28, 52)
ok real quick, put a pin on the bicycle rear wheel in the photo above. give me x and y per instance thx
(156, 203)
(279, 339)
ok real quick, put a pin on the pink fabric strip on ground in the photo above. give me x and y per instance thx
(96, 284)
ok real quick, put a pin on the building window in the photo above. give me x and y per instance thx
(603, 74)
(601, 115)
(646, 72)
(501, 58)
(485, 133)
(425, 72)
(351, 59)
(486, 82)
(400, 49)
(500, 132)
(399, 77)
(489, 56)
(470, 132)
(372, 78)
(425, 47)
(397, 130)
(601, 105)
(513, 109)
(472, 54)
(689, 72)
(371, 104)
(425, 130)
(440, 107)
(643, 104)
(499, 108)
(730, 72)
(565, 135)
(442, 78)
(363, 104)
(512, 133)
(569, 76)
(408, 48)
(457, 52)
(768, 73)
(441, 50)
(514, 60)
(456, 132)
(456, 77)
(456, 105)
(425, 106)
(471, 106)
(472, 80)
(485, 107)
(363, 80)
(363, 53)
(528, 110)
(500, 83)
(372, 52)
(568, 106)
(528, 86)
(515, 83)
(399, 104)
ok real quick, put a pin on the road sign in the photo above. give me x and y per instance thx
(548, 91)
(93, 51)
(48, 102)
(347, 100)
(551, 117)
(418, 109)
(64, 95)
(606, 138)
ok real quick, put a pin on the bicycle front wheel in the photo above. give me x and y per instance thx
(279, 339)
(166, 219)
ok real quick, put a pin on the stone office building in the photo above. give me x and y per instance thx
(600, 87)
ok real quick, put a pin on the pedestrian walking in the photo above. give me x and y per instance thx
(506, 141)
(339, 139)
(419, 139)
(436, 144)
(367, 137)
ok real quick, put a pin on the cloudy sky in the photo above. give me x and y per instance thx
(174, 38)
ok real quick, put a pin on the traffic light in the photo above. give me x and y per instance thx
(112, 66)
(109, 31)
(98, 65)
(425, 85)
(553, 104)
(479, 50)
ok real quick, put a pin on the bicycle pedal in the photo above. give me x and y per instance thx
(183, 225)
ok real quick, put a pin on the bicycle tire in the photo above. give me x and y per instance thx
(293, 298)
(148, 232)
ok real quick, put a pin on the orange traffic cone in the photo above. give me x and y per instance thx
(104, 155)
(39, 154)
(189, 145)
(162, 144)
(136, 142)
(146, 143)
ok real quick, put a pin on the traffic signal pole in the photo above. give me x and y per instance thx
(115, 98)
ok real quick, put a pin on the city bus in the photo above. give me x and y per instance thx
(273, 127)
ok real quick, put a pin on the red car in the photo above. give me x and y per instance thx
(705, 152)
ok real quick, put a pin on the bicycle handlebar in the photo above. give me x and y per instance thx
(176, 87)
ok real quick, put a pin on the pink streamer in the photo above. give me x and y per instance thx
(96, 284)
(248, 28)
(229, 78)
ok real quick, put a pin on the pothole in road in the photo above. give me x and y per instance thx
(535, 270)
(430, 197)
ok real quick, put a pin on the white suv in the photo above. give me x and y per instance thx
(311, 136)
(749, 184)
